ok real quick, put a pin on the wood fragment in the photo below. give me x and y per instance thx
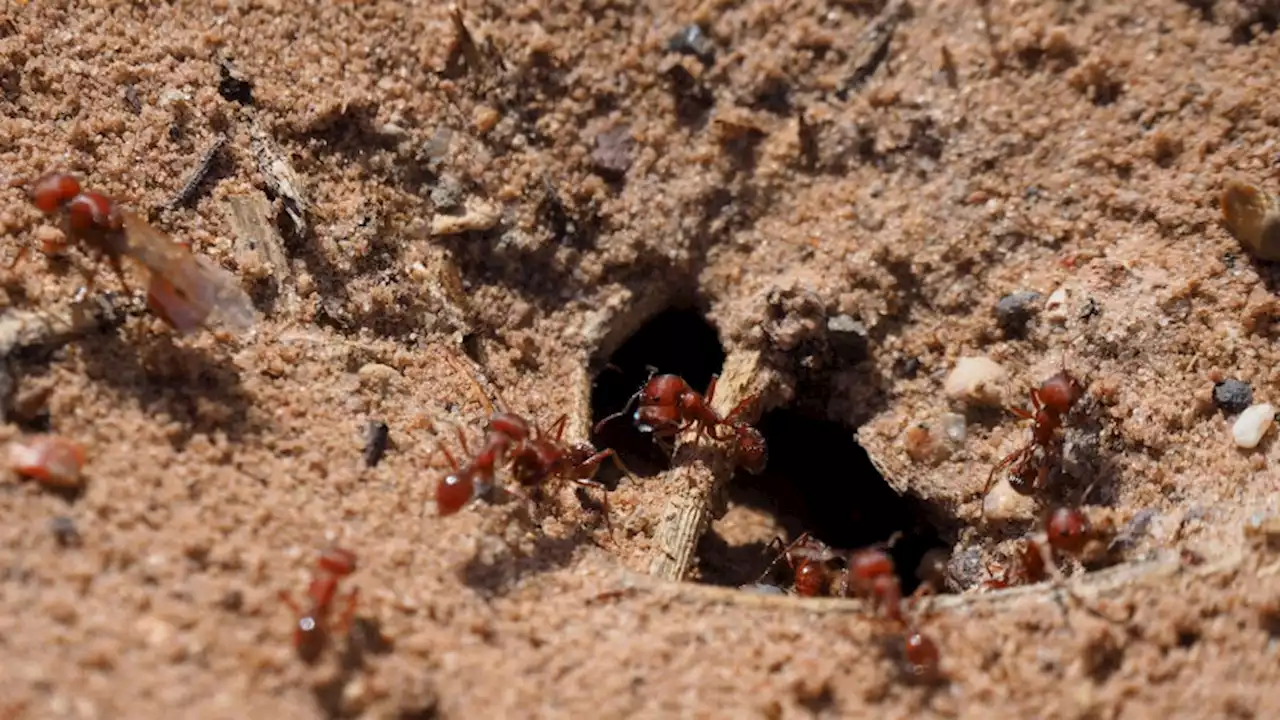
(31, 329)
(256, 243)
(872, 48)
(280, 176)
(1159, 573)
(192, 186)
(479, 215)
(700, 471)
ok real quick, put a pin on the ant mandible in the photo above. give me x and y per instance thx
(1050, 402)
(311, 633)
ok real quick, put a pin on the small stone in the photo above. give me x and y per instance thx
(1055, 308)
(612, 154)
(848, 337)
(1015, 309)
(1232, 395)
(479, 215)
(377, 376)
(376, 438)
(1253, 217)
(953, 426)
(1004, 504)
(976, 380)
(446, 196)
(65, 532)
(1252, 424)
(690, 40)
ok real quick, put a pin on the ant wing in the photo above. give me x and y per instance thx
(189, 287)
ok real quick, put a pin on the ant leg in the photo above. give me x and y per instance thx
(558, 425)
(1006, 462)
(349, 613)
(741, 408)
(119, 271)
(462, 440)
(711, 389)
(604, 500)
(1021, 413)
(626, 410)
(287, 599)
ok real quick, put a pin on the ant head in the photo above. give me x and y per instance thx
(811, 578)
(89, 211)
(455, 491)
(870, 564)
(663, 390)
(511, 425)
(309, 638)
(752, 453)
(52, 191)
(1068, 529)
(338, 561)
(921, 654)
(657, 418)
(1061, 391)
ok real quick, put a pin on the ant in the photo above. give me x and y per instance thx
(184, 289)
(667, 406)
(535, 458)
(311, 634)
(1067, 532)
(51, 460)
(1050, 402)
(810, 562)
(871, 575)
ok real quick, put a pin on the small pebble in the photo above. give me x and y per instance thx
(847, 336)
(1004, 504)
(376, 438)
(1055, 308)
(1015, 309)
(690, 40)
(953, 426)
(1253, 217)
(1232, 395)
(1252, 424)
(65, 532)
(975, 380)
(479, 215)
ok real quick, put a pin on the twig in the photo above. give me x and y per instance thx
(192, 185)
(700, 470)
(257, 245)
(280, 176)
(875, 44)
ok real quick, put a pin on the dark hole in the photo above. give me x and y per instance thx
(678, 341)
(819, 480)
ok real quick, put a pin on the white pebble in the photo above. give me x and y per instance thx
(953, 426)
(977, 380)
(1055, 307)
(1004, 504)
(1252, 424)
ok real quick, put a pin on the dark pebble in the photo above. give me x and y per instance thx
(1232, 395)
(377, 437)
(690, 40)
(1015, 309)
(65, 532)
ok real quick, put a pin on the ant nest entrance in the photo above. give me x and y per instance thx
(821, 489)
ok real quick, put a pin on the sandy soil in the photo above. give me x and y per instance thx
(844, 189)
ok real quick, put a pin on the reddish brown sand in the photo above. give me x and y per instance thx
(987, 149)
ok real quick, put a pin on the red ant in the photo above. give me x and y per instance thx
(668, 406)
(810, 560)
(312, 632)
(871, 575)
(1050, 402)
(1067, 531)
(535, 458)
(184, 289)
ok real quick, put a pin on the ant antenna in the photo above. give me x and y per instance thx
(784, 552)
